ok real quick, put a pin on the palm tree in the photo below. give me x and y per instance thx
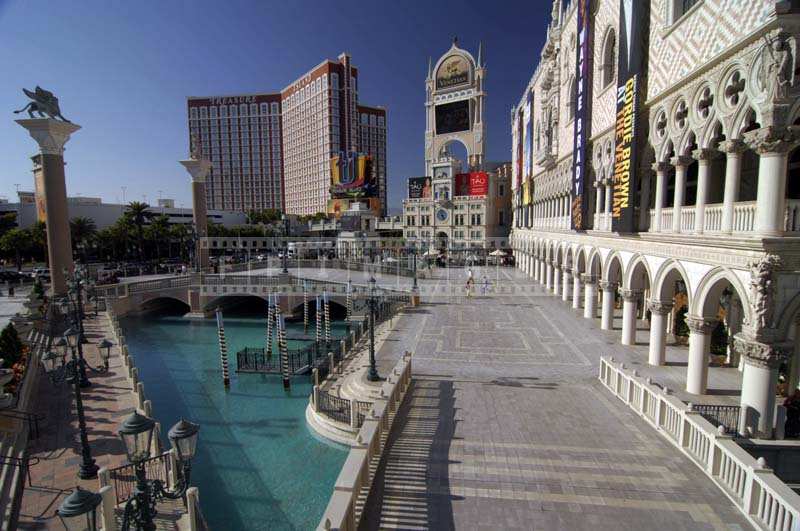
(38, 239)
(14, 242)
(158, 231)
(180, 232)
(139, 213)
(83, 229)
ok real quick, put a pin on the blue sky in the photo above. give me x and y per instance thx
(123, 70)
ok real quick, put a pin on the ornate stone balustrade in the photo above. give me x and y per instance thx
(763, 498)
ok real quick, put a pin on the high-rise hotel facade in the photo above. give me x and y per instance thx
(275, 150)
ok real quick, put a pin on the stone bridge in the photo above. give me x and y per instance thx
(203, 293)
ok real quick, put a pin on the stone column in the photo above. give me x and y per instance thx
(607, 311)
(680, 163)
(772, 145)
(759, 382)
(733, 150)
(589, 296)
(699, 343)
(658, 331)
(549, 279)
(598, 203)
(198, 169)
(556, 279)
(566, 284)
(608, 194)
(661, 186)
(734, 325)
(535, 268)
(794, 365)
(629, 299)
(703, 157)
(51, 135)
(576, 289)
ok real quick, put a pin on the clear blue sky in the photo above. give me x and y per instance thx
(123, 70)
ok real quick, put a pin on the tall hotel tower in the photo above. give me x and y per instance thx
(275, 150)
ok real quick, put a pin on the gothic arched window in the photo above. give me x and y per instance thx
(608, 65)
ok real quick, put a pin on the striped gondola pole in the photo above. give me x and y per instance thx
(349, 301)
(284, 352)
(305, 307)
(270, 321)
(223, 349)
(327, 318)
(319, 320)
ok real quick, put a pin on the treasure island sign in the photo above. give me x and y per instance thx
(633, 31)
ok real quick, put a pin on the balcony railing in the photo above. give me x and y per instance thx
(744, 218)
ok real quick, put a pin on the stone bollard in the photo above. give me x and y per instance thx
(107, 516)
(315, 395)
(103, 477)
(173, 468)
(315, 376)
(192, 505)
(134, 374)
(343, 346)
(332, 363)
(148, 408)
(140, 396)
(353, 338)
(353, 414)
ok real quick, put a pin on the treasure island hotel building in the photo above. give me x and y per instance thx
(274, 150)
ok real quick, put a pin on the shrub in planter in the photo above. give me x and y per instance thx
(10, 345)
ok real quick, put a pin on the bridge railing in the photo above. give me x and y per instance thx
(763, 498)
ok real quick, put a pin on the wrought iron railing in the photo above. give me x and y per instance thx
(720, 415)
(124, 477)
(362, 408)
(334, 407)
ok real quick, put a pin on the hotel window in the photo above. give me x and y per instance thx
(609, 59)
(193, 113)
(381, 121)
(275, 108)
(680, 8)
(334, 80)
(233, 111)
(203, 112)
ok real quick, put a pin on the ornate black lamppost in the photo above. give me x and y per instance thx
(136, 433)
(372, 374)
(58, 371)
(78, 511)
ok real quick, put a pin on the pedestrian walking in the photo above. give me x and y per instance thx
(484, 285)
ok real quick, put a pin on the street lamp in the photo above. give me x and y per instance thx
(414, 255)
(78, 511)
(136, 433)
(105, 351)
(372, 374)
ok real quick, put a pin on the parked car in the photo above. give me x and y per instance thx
(14, 277)
(41, 274)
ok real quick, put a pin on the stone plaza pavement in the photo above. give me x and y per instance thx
(507, 427)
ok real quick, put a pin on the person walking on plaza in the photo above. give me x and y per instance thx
(470, 282)
(484, 285)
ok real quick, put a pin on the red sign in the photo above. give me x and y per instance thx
(478, 183)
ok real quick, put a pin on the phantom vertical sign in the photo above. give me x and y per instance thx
(579, 211)
(634, 24)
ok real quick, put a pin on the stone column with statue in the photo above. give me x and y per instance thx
(198, 167)
(51, 132)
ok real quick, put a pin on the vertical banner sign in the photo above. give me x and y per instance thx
(582, 124)
(634, 18)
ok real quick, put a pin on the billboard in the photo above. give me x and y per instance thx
(474, 183)
(337, 206)
(419, 188)
(454, 71)
(452, 117)
(630, 65)
(579, 211)
(352, 176)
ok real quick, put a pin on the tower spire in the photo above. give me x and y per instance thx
(480, 53)
(430, 67)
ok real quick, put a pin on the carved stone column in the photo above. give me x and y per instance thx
(680, 163)
(658, 331)
(51, 136)
(733, 150)
(759, 382)
(535, 268)
(661, 186)
(598, 204)
(198, 169)
(607, 311)
(629, 299)
(549, 280)
(556, 279)
(772, 145)
(699, 342)
(703, 157)
(566, 284)
(589, 296)
(576, 289)
(543, 272)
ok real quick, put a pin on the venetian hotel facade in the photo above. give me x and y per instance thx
(656, 167)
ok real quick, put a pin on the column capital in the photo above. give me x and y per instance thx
(51, 135)
(700, 325)
(588, 279)
(772, 139)
(759, 354)
(629, 294)
(703, 154)
(198, 169)
(681, 161)
(660, 307)
(660, 166)
(576, 274)
(734, 146)
(605, 285)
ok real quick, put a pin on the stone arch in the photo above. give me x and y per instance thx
(579, 264)
(666, 151)
(706, 296)
(612, 269)
(686, 142)
(237, 300)
(593, 262)
(638, 275)
(666, 278)
(338, 309)
(788, 317)
(163, 302)
(568, 256)
(746, 116)
(710, 134)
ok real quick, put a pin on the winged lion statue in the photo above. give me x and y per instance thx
(44, 103)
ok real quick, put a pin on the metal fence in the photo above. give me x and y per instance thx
(334, 407)
(720, 415)
(124, 477)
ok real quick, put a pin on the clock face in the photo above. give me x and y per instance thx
(441, 214)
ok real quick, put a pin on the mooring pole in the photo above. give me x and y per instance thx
(327, 319)
(270, 320)
(319, 320)
(305, 306)
(349, 301)
(223, 349)
(284, 352)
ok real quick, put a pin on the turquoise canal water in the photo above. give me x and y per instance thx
(258, 465)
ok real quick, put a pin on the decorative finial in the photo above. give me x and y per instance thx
(455, 40)
(480, 53)
(44, 103)
(430, 67)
